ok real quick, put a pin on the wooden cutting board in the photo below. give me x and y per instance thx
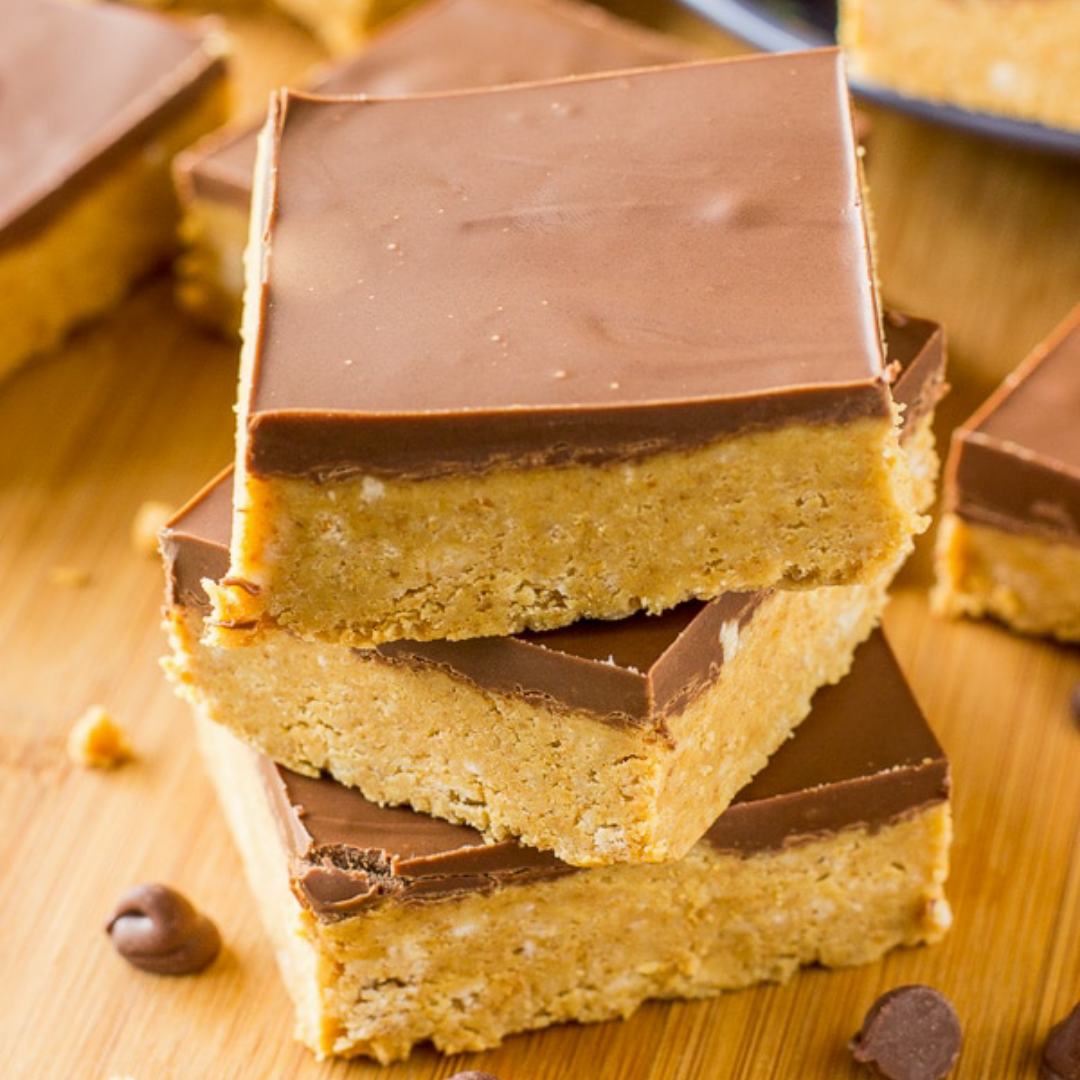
(138, 407)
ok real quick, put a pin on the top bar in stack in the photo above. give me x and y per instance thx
(1009, 541)
(441, 45)
(521, 356)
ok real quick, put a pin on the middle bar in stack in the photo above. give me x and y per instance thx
(604, 742)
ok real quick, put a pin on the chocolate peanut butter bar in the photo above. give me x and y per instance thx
(440, 45)
(1009, 542)
(392, 928)
(95, 100)
(603, 742)
(521, 356)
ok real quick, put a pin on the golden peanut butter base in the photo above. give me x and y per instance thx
(1018, 59)
(1028, 582)
(362, 561)
(467, 971)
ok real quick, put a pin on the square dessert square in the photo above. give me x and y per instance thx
(521, 356)
(603, 742)
(392, 928)
(1008, 545)
(439, 45)
(96, 99)
(1018, 59)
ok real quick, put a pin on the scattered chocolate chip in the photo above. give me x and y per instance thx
(1061, 1054)
(910, 1033)
(158, 929)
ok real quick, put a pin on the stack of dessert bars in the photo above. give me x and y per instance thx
(532, 636)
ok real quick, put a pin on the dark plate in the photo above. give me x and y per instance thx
(789, 25)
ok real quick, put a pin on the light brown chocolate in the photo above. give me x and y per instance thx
(548, 275)
(79, 84)
(451, 45)
(1015, 465)
(863, 758)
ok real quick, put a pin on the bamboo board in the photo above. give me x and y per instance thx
(138, 407)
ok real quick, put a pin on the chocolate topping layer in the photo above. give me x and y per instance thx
(452, 45)
(864, 757)
(1016, 463)
(582, 271)
(80, 83)
(635, 671)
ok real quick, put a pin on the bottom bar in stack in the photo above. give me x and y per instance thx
(392, 928)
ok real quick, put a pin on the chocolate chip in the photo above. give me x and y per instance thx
(910, 1033)
(1061, 1054)
(158, 929)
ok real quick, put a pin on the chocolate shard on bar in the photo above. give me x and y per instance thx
(605, 742)
(1009, 542)
(436, 46)
(489, 939)
(485, 391)
(94, 102)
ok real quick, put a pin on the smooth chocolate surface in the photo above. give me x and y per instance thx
(576, 272)
(79, 83)
(1016, 463)
(452, 45)
(864, 757)
(634, 671)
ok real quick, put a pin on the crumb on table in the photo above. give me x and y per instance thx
(97, 741)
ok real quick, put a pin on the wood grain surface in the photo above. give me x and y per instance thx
(137, 407)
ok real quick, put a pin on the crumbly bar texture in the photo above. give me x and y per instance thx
(1027, 582)
(363, 560)
(116, 172)
(524, 458)
(439, 45)
(1008, 546)
(1017, 59)
(592, 790)
(466, 971)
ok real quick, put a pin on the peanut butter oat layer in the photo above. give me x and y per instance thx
(605, 742)
(520, 356)
(392, 928)
(1018, 59)
(1008, 545)
(440, 45)
(95, 100)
